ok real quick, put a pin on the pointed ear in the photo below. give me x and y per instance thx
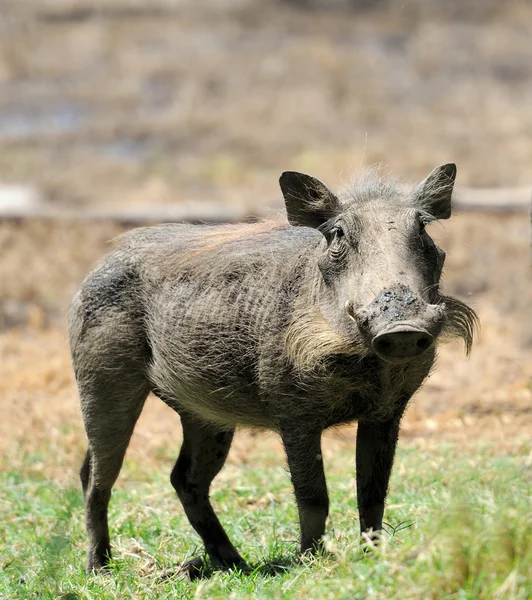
(309, 203)
(434, 194)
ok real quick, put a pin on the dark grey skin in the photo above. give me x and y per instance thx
(292, 327)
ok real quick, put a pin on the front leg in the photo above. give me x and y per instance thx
(375, 452)
(303, 453)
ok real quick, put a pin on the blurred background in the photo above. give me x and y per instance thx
(120, 112)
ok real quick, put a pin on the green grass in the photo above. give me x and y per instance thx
(459, 526)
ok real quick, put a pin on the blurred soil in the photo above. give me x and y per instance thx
(127, 103)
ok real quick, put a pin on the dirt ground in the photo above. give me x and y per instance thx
(125, 103)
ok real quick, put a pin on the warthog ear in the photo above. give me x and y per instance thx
(309, 203)
(434, 194)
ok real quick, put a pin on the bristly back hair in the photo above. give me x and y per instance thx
(206, 240)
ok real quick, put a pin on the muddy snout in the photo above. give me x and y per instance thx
(398, 325)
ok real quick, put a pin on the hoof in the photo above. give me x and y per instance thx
(198, 569)
(311, 549)
(191, 570)
(98, 564)
(98, 569)
(371, 540)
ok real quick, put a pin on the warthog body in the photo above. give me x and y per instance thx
(289, 327)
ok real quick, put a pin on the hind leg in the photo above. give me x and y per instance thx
(202, 455)
(110, 413)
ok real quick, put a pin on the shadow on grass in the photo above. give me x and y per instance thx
(276, 566)
(202, 568)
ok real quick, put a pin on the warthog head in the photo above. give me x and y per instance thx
(379, 269)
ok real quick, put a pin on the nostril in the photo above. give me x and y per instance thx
(423, 343)
(383, 345)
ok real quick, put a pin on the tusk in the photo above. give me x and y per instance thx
(349, 311)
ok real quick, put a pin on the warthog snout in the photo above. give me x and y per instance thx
(398, 325)
(401, 344)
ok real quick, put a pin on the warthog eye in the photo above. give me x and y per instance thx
(338, 246)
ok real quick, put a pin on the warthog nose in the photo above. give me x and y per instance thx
(401, 345)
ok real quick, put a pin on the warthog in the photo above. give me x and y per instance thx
(292, 327)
